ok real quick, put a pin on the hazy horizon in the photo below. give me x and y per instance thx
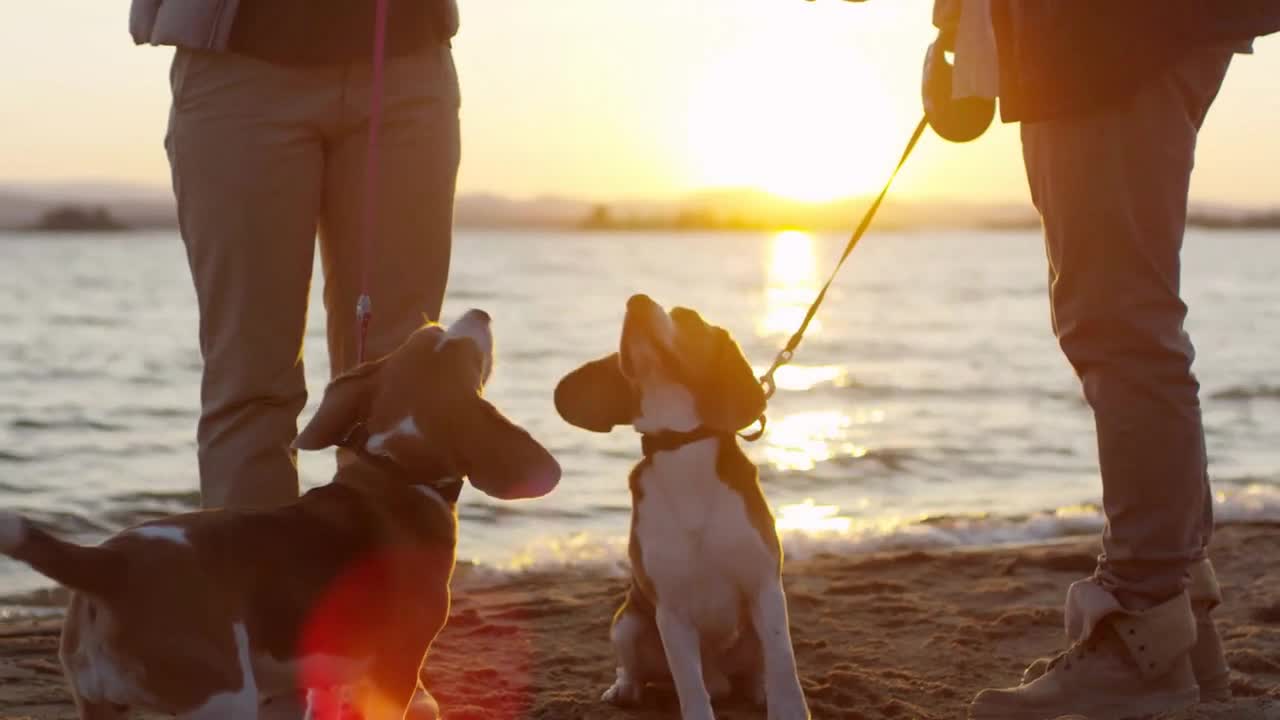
(621, 103)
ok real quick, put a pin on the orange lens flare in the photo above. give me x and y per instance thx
(481, 663)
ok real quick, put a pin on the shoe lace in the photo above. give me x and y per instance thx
(1077, 652)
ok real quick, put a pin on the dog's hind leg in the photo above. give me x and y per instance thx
(719, 684)
(99, 711)
(89, 709)
(639, 651)
(241, 703)
(784, 696)
(423, 706)
(744, 664)
(79, 670)
(394, 687)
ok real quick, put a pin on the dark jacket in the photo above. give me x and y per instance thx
(207, 24)
(306, 32)
(1067, 57)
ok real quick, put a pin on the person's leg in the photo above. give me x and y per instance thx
(247, 169)
(412, 239)
(1112, 190)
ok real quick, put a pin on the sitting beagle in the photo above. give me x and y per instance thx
(706, 605)
(216, 614)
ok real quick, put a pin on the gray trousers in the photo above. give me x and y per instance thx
(263, 157)
(1112, 191)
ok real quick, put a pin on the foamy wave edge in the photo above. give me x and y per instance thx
(587, 553)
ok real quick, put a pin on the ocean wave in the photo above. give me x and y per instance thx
(67, 524)
(809, 530)
(71, 423)
(122, 449)
(1246, 393)
(8, 456)
(129, 509)
(493, 513)
(965, 393)
(841, 379)
(87, 321)
(159, 413)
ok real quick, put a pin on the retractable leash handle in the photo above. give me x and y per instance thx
(957, 120)
(962, 27)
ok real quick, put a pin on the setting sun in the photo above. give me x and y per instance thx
(778, 121)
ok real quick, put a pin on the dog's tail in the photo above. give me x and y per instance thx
(93, 570)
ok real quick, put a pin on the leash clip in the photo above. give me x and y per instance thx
(364, 315)
(752, 437)
(766, 381)
(770, 386)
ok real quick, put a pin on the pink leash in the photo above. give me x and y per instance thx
(368, 222)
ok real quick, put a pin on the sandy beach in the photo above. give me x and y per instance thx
(893, 635)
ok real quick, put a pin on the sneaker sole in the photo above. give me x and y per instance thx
(1136, 710)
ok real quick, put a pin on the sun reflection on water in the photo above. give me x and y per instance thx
(792, 284)
(810, 517)
(806, 377)
(813, 521)
(802, 440)
(799, 441)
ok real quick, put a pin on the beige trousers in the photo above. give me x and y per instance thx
(265, 157)
(1112, 189)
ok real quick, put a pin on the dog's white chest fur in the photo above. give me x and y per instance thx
(698, 545)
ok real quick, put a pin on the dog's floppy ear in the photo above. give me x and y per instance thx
(731, 397)
(499, 457)
(345, 403)
(596, 396)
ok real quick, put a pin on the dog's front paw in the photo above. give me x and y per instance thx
(791, 711)
(423, 706)
(331, 704)
(624, 692)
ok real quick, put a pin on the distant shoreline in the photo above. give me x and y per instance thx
(77, 219)
(724, 211)
(1194, 223)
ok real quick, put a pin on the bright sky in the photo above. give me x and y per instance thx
(614, 99)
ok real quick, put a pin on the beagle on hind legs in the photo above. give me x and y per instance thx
(706, 606)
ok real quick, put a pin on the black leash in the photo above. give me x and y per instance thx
(787, 353)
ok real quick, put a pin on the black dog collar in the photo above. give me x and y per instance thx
(446, 483)
(654, 443)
